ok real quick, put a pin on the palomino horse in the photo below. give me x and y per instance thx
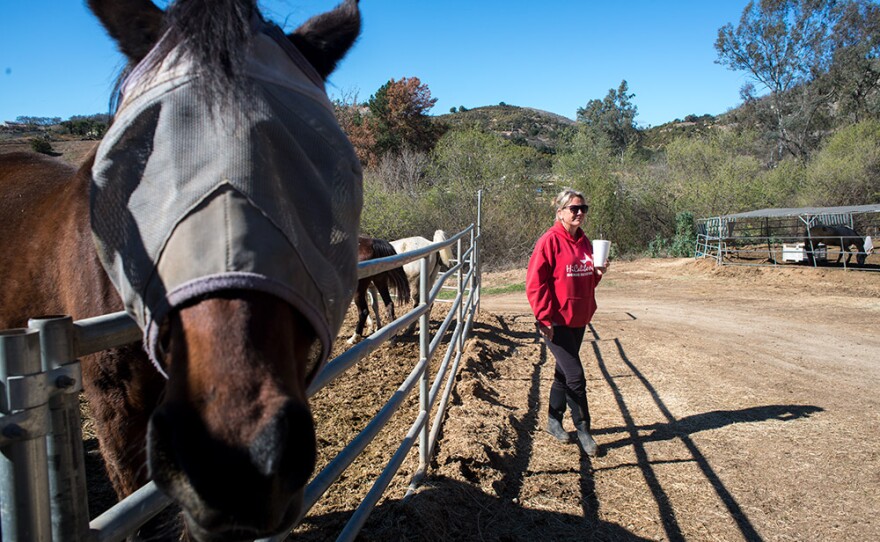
(436, 260)
(412, 269)
(369, 249)
(837, 236)
(221, 210)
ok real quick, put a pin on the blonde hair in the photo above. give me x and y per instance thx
(562, 198)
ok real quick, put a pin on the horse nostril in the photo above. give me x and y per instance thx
(285, 447)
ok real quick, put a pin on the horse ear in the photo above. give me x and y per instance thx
(135, 25)
(324, 39)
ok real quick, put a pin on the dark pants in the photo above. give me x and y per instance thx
(569, 383)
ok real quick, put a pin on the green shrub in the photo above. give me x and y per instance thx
(685, 236)
(682, 243)
(658, 247)
(42, 145)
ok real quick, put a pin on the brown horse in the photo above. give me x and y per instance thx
(221, 211)
(369, 249)
(843, 237)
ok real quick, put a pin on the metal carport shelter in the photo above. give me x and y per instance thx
(782, 235)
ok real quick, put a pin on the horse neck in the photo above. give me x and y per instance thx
(64, 276)
(88, 289)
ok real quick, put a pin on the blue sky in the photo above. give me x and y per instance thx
(555, 55)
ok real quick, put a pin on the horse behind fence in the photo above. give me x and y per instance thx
(435, 261)
(395, 278)
(839, 236)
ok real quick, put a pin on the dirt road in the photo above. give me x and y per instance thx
(728, 403)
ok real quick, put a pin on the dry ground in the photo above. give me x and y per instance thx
(729, 403)
(71, 151)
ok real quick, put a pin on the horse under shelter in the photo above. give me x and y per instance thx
(828, 237)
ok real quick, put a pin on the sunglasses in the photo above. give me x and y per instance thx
(575, 209)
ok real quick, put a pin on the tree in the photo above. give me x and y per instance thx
(468, 160)
(38, 121)
(856, 66)
(400, 110)
(94, 126)
(614, 116)
(404, 171)
(714, 175)
(359, 126)
(846, 170)
(590, 163)
(805, 53)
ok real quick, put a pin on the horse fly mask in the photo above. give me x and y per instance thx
(264, 195)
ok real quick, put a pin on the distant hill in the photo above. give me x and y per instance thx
(543, 130)
(522, 125)
(539, 129)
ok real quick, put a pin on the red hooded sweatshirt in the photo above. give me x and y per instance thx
(561, 281)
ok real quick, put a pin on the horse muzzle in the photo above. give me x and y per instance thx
(233, 492)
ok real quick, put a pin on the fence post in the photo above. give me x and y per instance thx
(24, 485)
(423, 355)
(475, 259)
(67, 474)
(459, 275)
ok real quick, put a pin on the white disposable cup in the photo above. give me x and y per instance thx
(600, 252)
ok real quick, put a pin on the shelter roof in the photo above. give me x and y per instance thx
(804, 211)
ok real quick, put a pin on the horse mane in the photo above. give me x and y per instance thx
(216, 35)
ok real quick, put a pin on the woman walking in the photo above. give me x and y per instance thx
(561, 286)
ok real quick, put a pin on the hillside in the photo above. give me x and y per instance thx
(522, 125)
(545, 131)
(70, 149)
(656, 138)
(536, 128)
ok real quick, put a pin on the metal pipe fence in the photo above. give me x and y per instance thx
(40, 381)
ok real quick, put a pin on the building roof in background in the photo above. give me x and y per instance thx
(804, 211)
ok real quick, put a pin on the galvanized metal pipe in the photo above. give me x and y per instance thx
(124, 518)
(460, 291)
(103, 332)
(343, 459)
(423, 357)
(362, 512)
(344, 361)
(67, 471)
(65, 340)
(25, 513)
(421, 472)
